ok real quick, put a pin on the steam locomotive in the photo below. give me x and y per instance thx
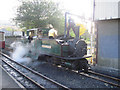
(66, 51)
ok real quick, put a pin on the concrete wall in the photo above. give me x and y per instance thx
(108, 43)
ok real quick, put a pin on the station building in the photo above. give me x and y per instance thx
(107, 30)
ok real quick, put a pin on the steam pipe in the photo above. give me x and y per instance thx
(65, 24)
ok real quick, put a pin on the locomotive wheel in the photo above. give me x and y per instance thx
(49, 59)
(42, 58)
(85, 66)
(56, 61)
(75, 65)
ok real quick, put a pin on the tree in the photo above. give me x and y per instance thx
(39, 13)
(82, 30)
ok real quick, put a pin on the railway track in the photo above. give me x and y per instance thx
(101, 77)
(97, 76)
(91, 74)
(31, 77)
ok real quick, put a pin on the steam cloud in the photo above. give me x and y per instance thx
(20, 51)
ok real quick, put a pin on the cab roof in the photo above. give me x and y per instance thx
(33, 29)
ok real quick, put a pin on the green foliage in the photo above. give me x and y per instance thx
(9, 29)
(86, 36)
(72, 33)
(39, 13)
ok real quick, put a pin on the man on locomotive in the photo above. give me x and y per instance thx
(52, 32)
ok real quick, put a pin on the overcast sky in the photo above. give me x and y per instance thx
(8, 8)
(78, 6)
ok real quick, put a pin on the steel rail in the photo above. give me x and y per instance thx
(90, 76)
(113, 78)
(16, 81)
(60, 85)
(100, 79)
(37, 84)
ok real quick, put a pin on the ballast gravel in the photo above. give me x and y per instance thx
(66, 77)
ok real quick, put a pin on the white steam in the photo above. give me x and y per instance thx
(20, 52)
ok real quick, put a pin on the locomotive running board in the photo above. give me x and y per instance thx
(69, 58)
(76, 58)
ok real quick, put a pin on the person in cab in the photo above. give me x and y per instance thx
(30, 38)
(52, 32)
(39, 33)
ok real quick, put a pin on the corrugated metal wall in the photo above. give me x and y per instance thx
(106, 9)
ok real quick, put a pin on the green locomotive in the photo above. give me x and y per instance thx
(64, 50)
